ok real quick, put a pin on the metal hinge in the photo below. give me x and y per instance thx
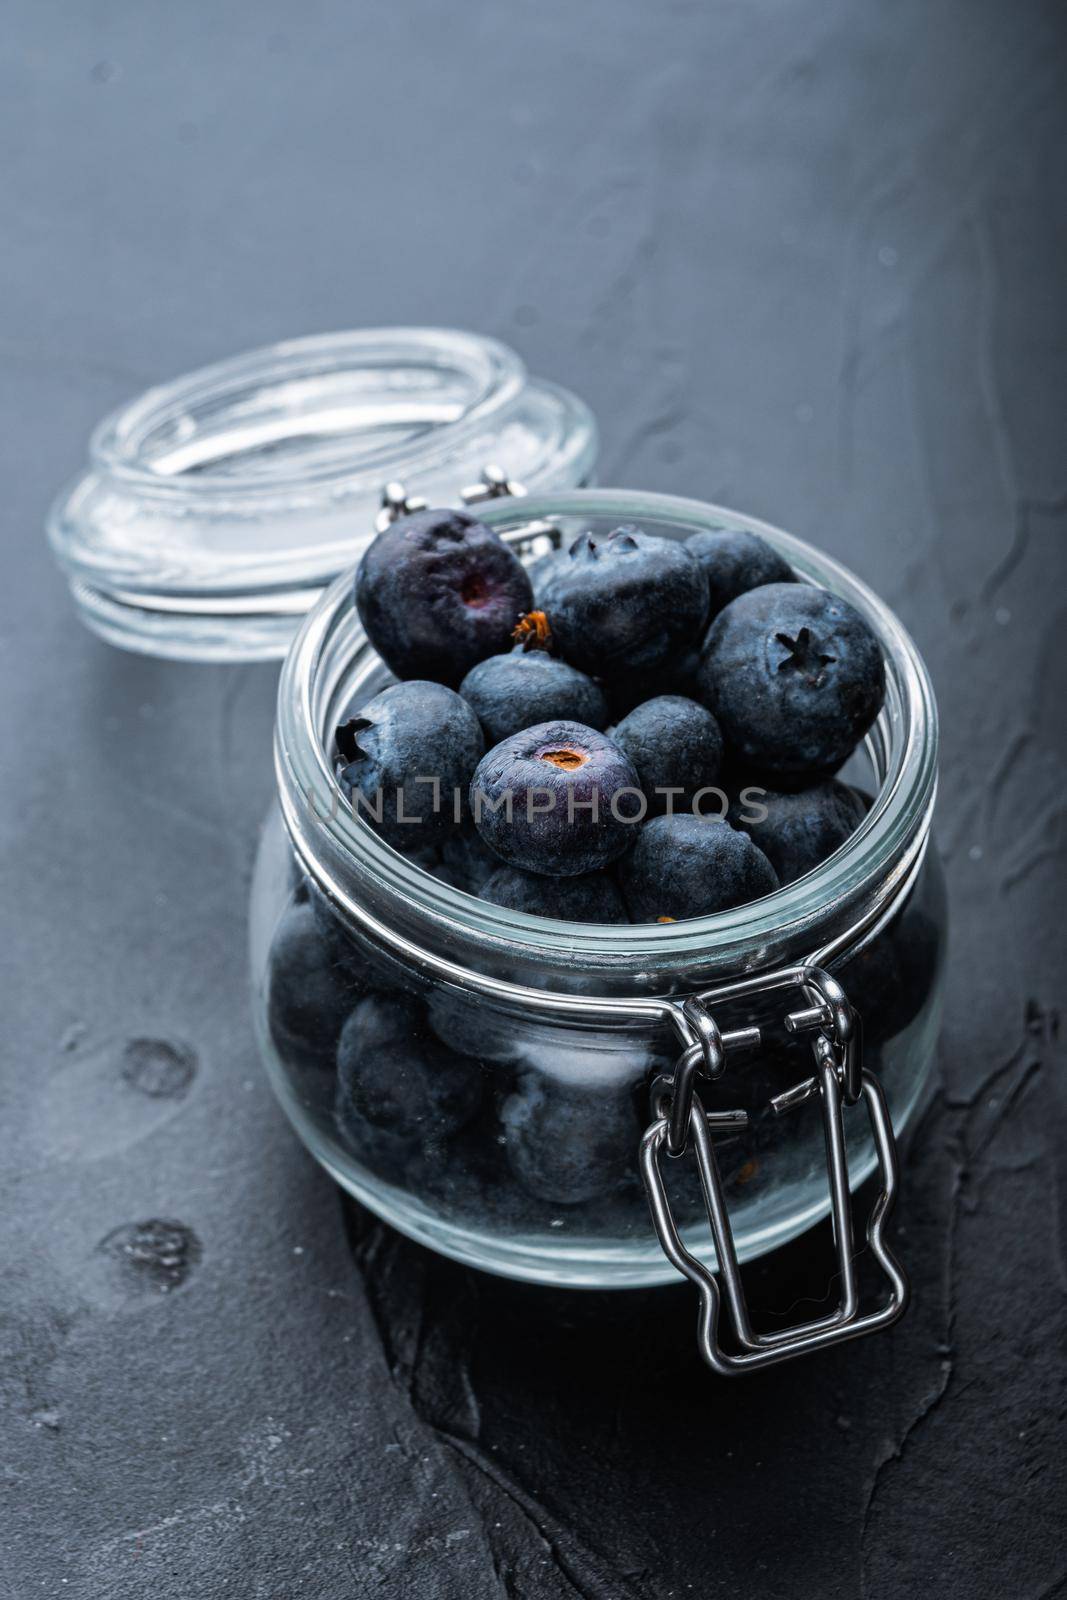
(494, 484)
(839, 1079)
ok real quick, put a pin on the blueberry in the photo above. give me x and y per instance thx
(919, 943)
(568, 1145)
(800, 829)
(736, 561)
(468, 1180)
(890, 979)
(417, 738)
(438, 591)
(309, 992)
(558, 798)
(795, 676)
(427, 856)
(464, 860)
(388, 1155)
(863, 798)
(674, 744)
(625, 691)
(396, 1081)
(590, 898)
(342, 946)
(626, 602)
(515, 691)
(687, 866)
(541, 571)
(464, 1023)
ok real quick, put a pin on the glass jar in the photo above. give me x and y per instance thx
(481, 1078)
(504, 1088)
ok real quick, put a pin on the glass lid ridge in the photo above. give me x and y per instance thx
(209, 499)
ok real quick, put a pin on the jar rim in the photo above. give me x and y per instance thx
(877, 857)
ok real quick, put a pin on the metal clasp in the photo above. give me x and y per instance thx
(839, 1080)
(704, 1056)
(396, 503)
(494, 484)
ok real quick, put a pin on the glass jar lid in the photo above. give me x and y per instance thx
(216, 509)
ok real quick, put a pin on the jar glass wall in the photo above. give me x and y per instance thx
(480, 1078)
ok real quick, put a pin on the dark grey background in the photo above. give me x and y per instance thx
(805, 258)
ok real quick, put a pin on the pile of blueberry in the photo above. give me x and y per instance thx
(636, 729)
(633, 729)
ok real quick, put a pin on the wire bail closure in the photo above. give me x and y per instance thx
(679, 1116)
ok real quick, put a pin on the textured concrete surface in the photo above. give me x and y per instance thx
(804, 258)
